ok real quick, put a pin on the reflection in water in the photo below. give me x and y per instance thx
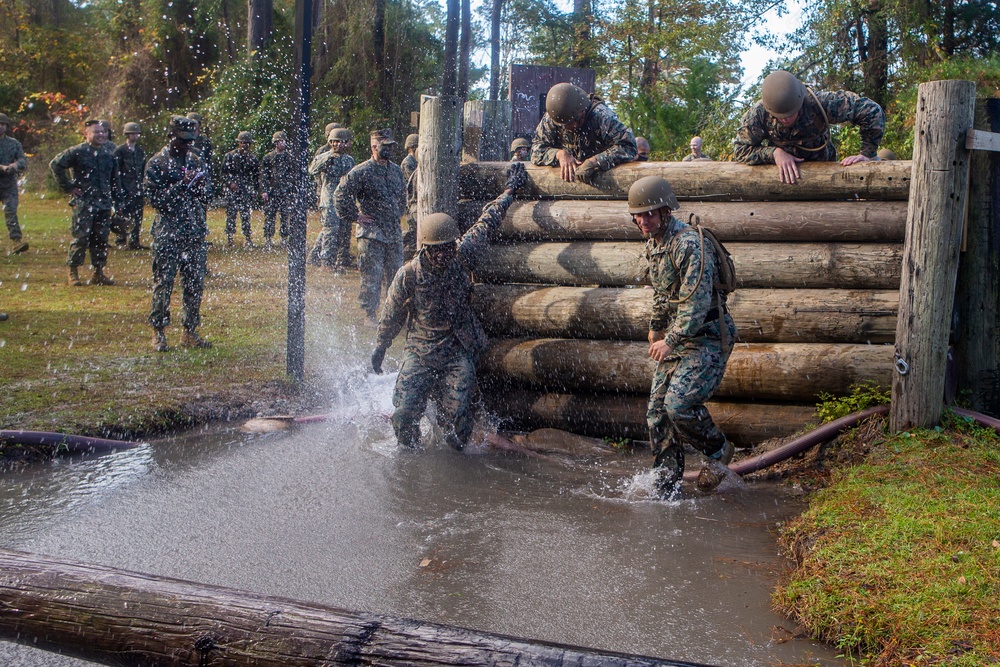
(542, 547)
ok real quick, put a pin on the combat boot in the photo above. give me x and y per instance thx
(229, 240)
(190, 338)
(73, 277)
(101, 279)
(160, 341)
(669, 466)
(717, 470)
(17, 246)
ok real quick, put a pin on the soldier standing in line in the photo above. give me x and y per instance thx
(330, 127)
(179, 186)
(278, 176)
(791, 124)
(110, 144)
(202, 145)
(378, 188)
(580, 134)
(695, 153)
(642, 149)
(241, 178)
(333, 247)
(520, 149)
(409, 167)
(13, 162)
(686, 337)
(430, 295)
(131, 160)
(93, 186)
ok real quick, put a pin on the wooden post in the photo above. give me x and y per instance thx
(936, 213)
(437, 155)
(486, 130)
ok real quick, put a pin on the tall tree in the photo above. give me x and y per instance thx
(496, 12)
(465, 50)
(449, 82)
(260, 24)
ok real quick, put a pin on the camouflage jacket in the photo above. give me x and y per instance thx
(409, 167)
(278, 174)
(330, 167)
(243, 169)
(180, 208)
(675, 272)
(602, 136)
(94, 171)
(436, 302)
(11, 152)
(131, 168)
(691, 158)
(380, 192)
(202, 148)
(760, 133)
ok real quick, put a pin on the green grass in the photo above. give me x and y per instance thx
(899, 558)
(78, 359)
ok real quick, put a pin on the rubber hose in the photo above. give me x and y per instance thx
(74, 444)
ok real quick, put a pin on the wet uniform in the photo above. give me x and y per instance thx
(602, 136)
(96, 173)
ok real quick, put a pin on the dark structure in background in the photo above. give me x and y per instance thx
(528, 86)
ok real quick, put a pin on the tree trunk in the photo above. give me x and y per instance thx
(438, 155)
(260, 25)
(449, 83)
(875, 67)
(495, 49)
(465, 51)
(378, 51)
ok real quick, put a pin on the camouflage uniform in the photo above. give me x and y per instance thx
(202, 148)
(444, 337)
(243, 169)
(11, 152)
(602, 136)
(128, 211)
(96, 173)
(691, 158)
(278, 176)
(409, 167)
(179, 232)
(760, 133)
(676, 414)
(380, 191)
(333, 247)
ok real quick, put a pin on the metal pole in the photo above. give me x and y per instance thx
(296, 342)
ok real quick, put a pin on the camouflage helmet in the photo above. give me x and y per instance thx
(196, 117)
(886, 154)
(566, 103)
(106, 124)
(132, 128)
(330, 127)
(782, 94)
(339, 134)
(5, 119)
(182, 128)
(520, 142)
(411, 141)
(280, 135)
(437, 229)
(244, 137)
(650, 193)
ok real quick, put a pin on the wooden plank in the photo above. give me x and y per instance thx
(981, 140)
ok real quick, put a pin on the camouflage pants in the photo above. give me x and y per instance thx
(240, 205)
(378, 263)
(450, 379)
(90, 231)
(409, 236)
(333, 245)
(676, 414)
(8, 199)
(127, 223)
(277, 204)
(187, 256)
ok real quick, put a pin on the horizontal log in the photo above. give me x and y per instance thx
(758, 265)
(792, 372)
(762, 316)
(816, 221)
(125, 618)
(712, 181)
(624, 415)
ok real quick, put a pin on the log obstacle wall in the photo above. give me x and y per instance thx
(563, 293)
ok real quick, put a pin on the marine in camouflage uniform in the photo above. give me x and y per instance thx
(685, 334)
(93, 185)
(179, 187)
(131, 160)
(333, 246)
(430, 295)
(596, 139)
(378, 188)
(13, 162)
(409, 167)
(241, 178)
(278, 176)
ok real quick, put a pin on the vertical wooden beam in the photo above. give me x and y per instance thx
(438, 155)
(977, 305)
(486, 131)
(935, 216)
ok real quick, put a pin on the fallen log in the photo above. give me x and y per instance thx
(758, 265)
(815, 221)
(762, 316)
(624, 415)
(125, 618)
(712, 181)
(793, 372)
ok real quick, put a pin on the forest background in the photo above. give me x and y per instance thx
(670, 68)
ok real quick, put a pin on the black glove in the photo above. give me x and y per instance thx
(377, 356)
(517, 176)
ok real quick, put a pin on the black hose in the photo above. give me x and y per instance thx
(64, 442)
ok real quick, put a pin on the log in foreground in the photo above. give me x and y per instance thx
(794, 372)
(816, 221)
(758, 265)
(712, 181)
(624, 415)
(762, 316)
(125, 618)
